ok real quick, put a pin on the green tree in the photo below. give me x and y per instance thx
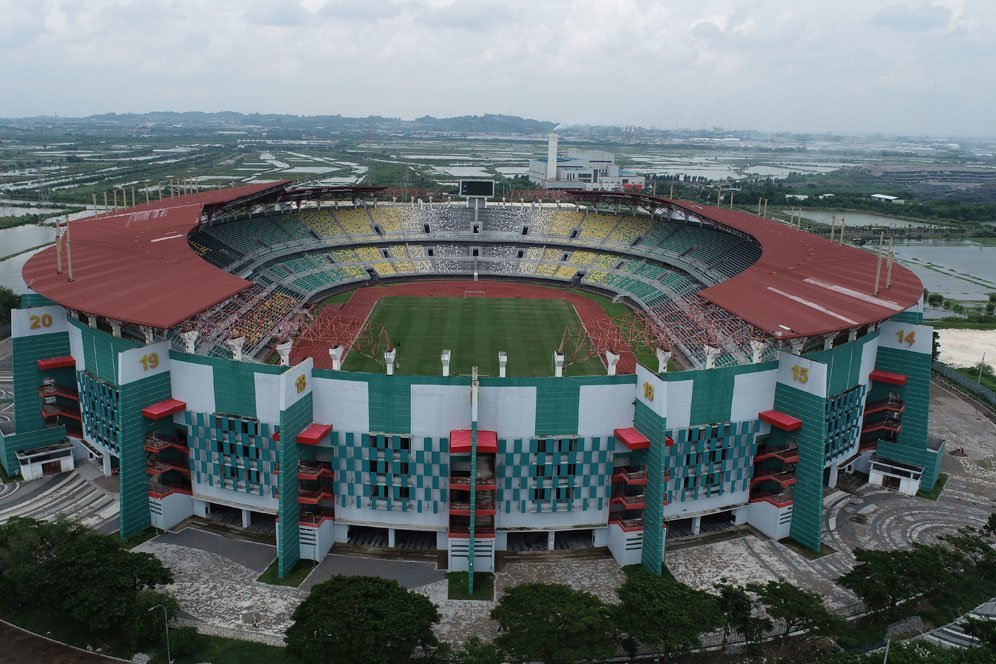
(737, 610)
(75, 572)
(975, 551)
(882, 579)
(362, 619)
(983, 630)
(797, 608)
(8, 300)
(144, 624)
(663, 614)
(990, 527)
(476, 651)
(551, 622)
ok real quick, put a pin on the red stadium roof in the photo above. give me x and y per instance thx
(802, 285)
(136, 265)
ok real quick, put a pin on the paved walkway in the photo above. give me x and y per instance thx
(69, 494)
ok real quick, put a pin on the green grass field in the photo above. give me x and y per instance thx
(474, 330)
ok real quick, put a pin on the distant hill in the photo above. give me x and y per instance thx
(487, 123)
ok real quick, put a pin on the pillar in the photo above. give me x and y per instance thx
(246, 518)
(189, 340)
(336, 355)
(502, 361)
(834, 472)
(107, 464)
(558, 364)
(711, 353)
(696, 525)
(757, 348)
(663, 357)
(389, 356)
(444, 357)
(551, 540)
(235, 345)
(390, 538)
(611, 361)
(284, 351)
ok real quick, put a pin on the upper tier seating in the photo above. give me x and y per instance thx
(354, 221)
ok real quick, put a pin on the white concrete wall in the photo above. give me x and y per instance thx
(511, 411)
(316, 542)
(484, 557)
(193, 384)
(345, 404)
(437, 409)
(603, 408)
(701, 506)
(233, 498)
(626, 547)
(578, 518)
(173, 509)
(752, 393)
(33, 471)
(775, 522)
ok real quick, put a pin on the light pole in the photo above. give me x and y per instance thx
(169, 660)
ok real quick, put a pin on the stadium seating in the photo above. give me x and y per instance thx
(596, 227)
(564, 222)
(386, 217)
(354, 221)
(322, 222)
(629, 229)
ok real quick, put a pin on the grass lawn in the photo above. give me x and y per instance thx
(484, 586)
(474, 329)
(5, 478)
(938, 487)
(294, 578)
(217, 650)
(139, 538)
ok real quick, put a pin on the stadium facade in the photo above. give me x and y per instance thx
(142, 344)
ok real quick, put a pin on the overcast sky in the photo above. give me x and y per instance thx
(895, 66)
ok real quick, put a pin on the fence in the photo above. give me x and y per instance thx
(966, 383)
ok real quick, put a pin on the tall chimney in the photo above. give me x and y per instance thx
(551, 157)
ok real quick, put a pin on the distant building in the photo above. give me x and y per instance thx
(885, 198)
(581, 169)
(796, 197)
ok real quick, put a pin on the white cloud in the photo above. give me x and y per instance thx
(908, 67)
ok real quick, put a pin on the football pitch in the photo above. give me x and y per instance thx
(474, 330)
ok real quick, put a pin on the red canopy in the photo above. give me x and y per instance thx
(487, 441)
(56, 362)
(314, 433)
(158, 411)
(632, 438)
(890, 377)
(783, 421)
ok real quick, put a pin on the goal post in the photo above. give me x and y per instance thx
(474, 293)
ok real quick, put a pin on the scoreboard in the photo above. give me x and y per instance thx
(477, 188)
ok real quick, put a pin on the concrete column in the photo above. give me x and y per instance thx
(502, 361)
(740, 515)
(336, 355)
(663, 357)
(115, 327)
(551, 538)
(852, 334)
(696, 525)
(558, 364)
(284, 351)
(189, 340)
(834, 472)
(444, 357)
(711, 353)
(390, 538)
(107, 464)
(757, 348)
(235, 345)
(797, 345)
(389, 356)
(828, 341)
(246, 518)
(611, 362)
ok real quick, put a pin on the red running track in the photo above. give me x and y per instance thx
(365, 298)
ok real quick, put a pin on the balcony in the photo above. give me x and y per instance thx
(628, 525)
(776, 498)
(52, 410)
(53, 390)
(888, 425)
(479, 531)
(315, 519)
(787, 454)
(314, 470)
(784, 479)
(314, 496)
(637, 502)
(156, 443)
(157, 467)
(160, 490)
(894, 404)
(630, 476)
(481, 508)
(462, 483)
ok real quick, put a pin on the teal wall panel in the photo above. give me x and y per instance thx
(134, 516)
(292, 422)
(807, 498)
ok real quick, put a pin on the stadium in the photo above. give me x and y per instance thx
(473, 376)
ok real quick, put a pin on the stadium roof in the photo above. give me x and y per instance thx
(136, 266)
(802, 285)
